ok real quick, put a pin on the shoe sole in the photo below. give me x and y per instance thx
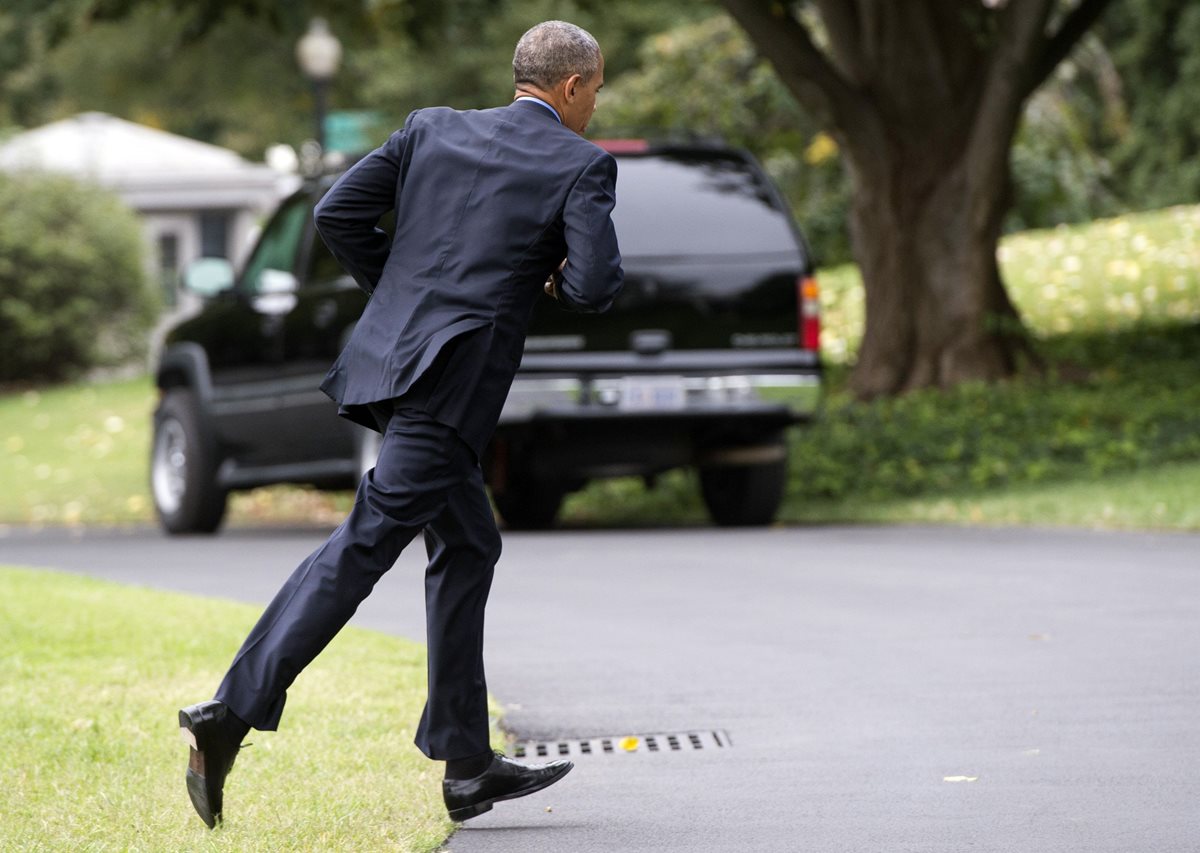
(197, 787)
(468, 812)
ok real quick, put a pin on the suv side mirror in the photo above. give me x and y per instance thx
(206, 277)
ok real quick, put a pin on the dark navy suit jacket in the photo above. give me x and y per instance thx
(488, 203)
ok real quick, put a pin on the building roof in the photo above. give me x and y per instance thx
(151, 169)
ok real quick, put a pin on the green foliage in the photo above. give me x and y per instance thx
(1135, 404)
(1156, 159)
(225, 71)
(1115, 129)
(462, 56)
(1061, 165)
(73, 289)
(237, 87)
(29, 30)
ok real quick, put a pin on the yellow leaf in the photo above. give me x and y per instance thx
(821, 148)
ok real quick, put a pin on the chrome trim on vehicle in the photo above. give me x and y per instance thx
(168, 466)
(233, 476)
(715, 395)
(699, 361)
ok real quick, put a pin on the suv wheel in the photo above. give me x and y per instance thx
(183, 476)
(528, 503)
(744, 495)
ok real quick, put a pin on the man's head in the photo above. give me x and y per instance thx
(562, 64)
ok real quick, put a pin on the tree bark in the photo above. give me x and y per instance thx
(924, 98)
(944, 316)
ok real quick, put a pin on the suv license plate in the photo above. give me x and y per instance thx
(656, 393)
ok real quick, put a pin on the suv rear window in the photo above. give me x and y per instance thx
(689, 204)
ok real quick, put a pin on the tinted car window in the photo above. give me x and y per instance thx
(671, 205)
(277, 248)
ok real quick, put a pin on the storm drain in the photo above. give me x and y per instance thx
(691, 741)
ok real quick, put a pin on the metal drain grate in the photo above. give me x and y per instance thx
(690, 741)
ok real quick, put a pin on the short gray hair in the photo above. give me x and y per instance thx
(552, 51)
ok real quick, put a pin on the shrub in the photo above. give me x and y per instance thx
(73, 288)
(1137, 404)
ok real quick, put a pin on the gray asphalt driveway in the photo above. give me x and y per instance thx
(874, 689)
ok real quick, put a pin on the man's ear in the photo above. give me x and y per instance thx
(569, 86)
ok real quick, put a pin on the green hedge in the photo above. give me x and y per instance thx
(74, 292)
(1115, 402)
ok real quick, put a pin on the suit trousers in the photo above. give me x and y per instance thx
(426, 478)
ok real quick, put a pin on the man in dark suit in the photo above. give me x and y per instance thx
(488, 205)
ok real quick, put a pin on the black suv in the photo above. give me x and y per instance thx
(707, 355)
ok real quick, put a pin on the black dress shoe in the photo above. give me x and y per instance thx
(504, 780)
(211, 730)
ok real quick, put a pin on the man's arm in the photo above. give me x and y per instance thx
(592, 276)
(347, 218)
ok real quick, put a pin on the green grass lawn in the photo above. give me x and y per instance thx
(76, 454)
(1166, 498)
(1112, 274)
(1158, 498)
(91, 677)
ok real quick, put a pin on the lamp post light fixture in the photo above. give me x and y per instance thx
(319, 53)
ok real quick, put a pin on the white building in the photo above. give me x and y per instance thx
(195, 199)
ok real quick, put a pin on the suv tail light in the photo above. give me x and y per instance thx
(623, 146)
(808, 309)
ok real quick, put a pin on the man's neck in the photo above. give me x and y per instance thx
(539, 98)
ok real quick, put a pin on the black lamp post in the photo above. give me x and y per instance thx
(319, 53)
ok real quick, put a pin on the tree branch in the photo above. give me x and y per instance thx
(1022, 24)
(845, 38)
(1058, 46)
(786, 43)
(1021, 33)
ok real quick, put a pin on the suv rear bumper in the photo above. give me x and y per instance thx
(578, 416)
(781, 386)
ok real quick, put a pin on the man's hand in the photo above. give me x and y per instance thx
(553, 281)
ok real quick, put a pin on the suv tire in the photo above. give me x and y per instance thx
(744, 495)
(183, 476)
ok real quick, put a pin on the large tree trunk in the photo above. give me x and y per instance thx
(923, 98)
(937, 312)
